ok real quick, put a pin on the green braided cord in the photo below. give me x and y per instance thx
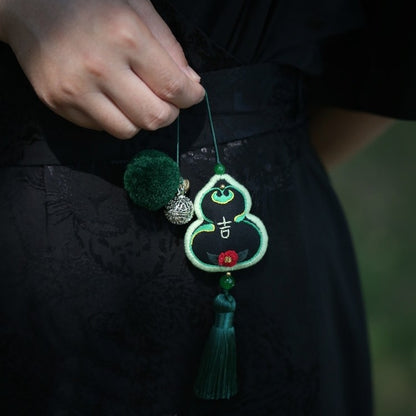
(211, 124)
(177, 141)
(214, 137)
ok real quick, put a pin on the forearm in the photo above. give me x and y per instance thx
(2, 34)
(337, 134)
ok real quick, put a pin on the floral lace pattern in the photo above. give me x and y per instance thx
(119, 317)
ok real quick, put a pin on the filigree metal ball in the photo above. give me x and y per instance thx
(179, 210)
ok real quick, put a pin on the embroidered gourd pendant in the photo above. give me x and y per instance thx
(224, 237)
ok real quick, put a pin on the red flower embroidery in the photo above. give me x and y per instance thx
(228, 259)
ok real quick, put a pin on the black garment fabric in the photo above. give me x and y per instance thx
(360, 55)
(284, 31)
(101, 313)
(372, 69)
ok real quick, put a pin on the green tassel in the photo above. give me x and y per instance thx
(217, 377)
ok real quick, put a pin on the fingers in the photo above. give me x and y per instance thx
(98, 112)
(131, 85)
(163, 35)
(165, 78)
(103, 64)
(121, 110)
(109, 117)
(138, 102)
(153, 64)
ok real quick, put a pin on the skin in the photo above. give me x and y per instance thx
(110, 65)
(338, 134)
(114, 65)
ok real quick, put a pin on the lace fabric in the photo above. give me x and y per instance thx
(117, 314)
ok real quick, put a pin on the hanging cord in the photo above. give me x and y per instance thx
(217, 375)
(214, 137)
(177, 139)
(211, 124)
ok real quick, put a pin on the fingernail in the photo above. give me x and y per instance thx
(202, 97)
(193, 74)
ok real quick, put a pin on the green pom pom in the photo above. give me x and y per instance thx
(151, 179)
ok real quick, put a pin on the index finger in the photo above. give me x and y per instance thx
(153, 65)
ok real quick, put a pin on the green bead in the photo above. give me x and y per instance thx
(227, 282)
(219, 169)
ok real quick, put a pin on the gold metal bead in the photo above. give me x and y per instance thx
(186, 184)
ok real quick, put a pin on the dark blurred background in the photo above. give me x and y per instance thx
(378, 191)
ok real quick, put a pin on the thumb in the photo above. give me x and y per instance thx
(163, 34)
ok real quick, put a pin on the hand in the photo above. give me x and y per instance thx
(109, 65)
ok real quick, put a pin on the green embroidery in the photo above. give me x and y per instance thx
(203, 224)
(207, 228)
(222, 199)
(240, 217)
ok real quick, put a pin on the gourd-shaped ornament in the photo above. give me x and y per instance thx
(224, 237)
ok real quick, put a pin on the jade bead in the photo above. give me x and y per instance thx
(227, 282)
(219, 169)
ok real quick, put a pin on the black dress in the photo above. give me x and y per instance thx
(101, 313)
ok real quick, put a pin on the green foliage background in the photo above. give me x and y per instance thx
(378, 191)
